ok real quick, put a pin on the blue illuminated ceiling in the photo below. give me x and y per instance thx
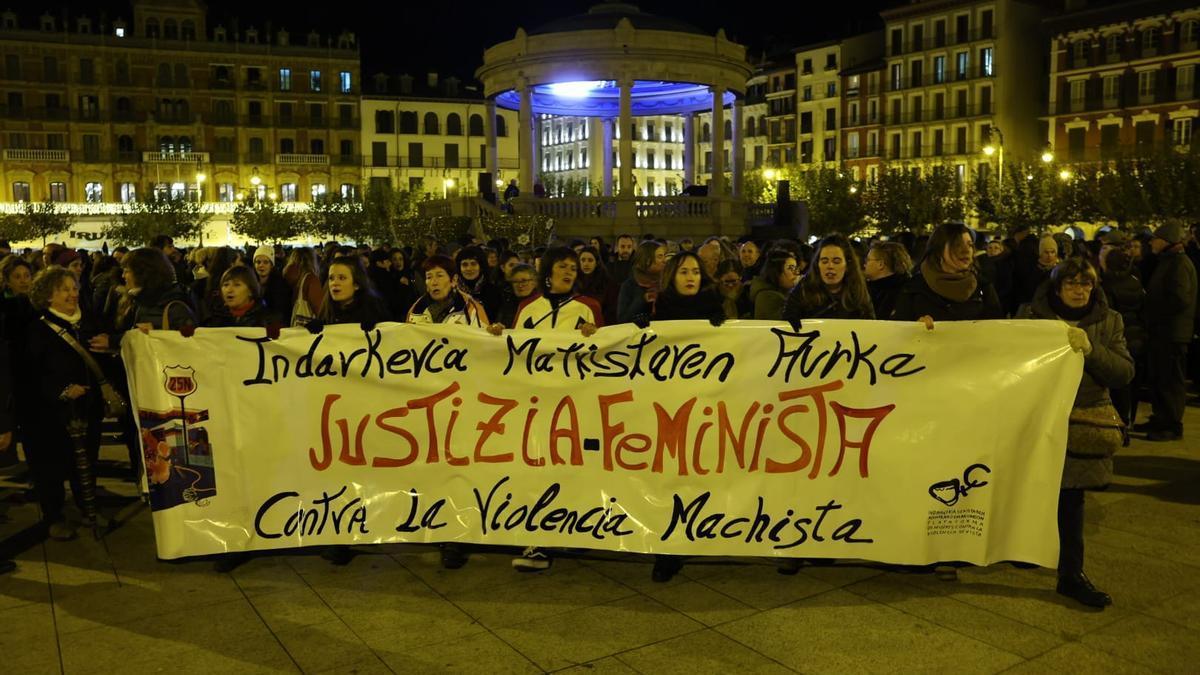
(601, 98)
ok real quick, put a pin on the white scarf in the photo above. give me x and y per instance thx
(72, 319)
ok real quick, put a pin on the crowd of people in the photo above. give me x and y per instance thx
(1129, 303)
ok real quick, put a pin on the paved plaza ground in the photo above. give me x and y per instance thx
(109, 607)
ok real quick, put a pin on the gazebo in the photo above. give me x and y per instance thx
(610, 65)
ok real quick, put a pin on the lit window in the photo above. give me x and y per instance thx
(318, 191)
(285, 79)
(93, 192)
(128, 193)
(314, 80)
(226, 192)
(21, 191)
(58, 192)
(287, 192)
(120, 31)
(1183, 131)
(344, 80)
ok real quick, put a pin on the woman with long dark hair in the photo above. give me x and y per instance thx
(349, 295)
(473, 278)
(635, 302)
(947, 284)
(769, 290)
(595, 283)
(833, 287)
(207, 291)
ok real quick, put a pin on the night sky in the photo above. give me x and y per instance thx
(418, 35)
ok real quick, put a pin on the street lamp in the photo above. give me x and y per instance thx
(853, 189)
(447, 185)
(1064, 175)
(770, 174)
(990, 150)
(1047, 155)
(200, 178)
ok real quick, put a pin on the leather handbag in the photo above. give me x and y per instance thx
(1095, 431)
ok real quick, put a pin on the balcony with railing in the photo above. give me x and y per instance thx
(36, 155)
(295, 159)
(175, 157)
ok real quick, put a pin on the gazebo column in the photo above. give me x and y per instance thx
(735, 150)
(689, 149)
(717, 186)
(525, 134)
(606, 154)
(626, 145)
(595, 146)
(489, 127)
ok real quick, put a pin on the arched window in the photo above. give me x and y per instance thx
(706, 133)
(164, 74)
(475, 125)
(124, 107)
(750, 128)
(256, 149)
(185, 144)
(453, 125)
(166, 144)
(431, 123)
(124, 144)
(170, 29)
(501, 127)
(187, 29)
(408, 122)
(762, 126)
(181, 75)
(384, 122)
(287, 146)
(728, 129)
(152, 28)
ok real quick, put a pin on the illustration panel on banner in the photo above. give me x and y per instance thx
(175, 443)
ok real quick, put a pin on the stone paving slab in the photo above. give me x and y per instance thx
(110, 607)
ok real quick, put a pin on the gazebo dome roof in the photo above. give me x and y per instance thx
(606, 16)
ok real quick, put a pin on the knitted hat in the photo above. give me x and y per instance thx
(1170, 232)
(265, 252)
(1114, 238)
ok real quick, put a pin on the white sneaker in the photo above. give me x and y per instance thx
(533, 559)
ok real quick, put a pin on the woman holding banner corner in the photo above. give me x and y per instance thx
(555, 306)
(1095, 430)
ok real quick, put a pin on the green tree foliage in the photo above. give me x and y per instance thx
(140, 222)
(264, 221)
(36, 221)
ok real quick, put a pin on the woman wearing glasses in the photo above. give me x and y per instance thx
(522, 282)
(1096, 330)
(769, 289)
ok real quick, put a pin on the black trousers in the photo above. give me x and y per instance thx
(1070, 532)
(1125, 399)
(1168, 387)
(52, 463)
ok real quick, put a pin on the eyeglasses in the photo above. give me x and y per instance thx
(1085, 284)
(792, 268)
(521, 282)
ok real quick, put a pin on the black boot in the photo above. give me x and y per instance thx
(789, 566)
(1079, 588)
(338, 555)
(453, 556)
(665, 568)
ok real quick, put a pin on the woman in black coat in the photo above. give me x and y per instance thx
(683, 297)
(349, 295)
(243, 302)
(67, 396)
(151, 300)
(832, 288)
(947, 285)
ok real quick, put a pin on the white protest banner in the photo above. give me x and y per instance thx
(846, 439)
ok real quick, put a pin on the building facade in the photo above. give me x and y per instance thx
(430, 137)
(957, 78)
(1123, 80)
(817, 104)
(570, 160)
(168, 105)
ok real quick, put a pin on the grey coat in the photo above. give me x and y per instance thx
(1108, 366)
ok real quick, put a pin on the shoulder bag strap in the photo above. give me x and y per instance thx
(87, 358)
(166, 317)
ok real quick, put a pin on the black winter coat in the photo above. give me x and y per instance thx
(54, 365)
(1126, 296)
(917, 299)
(365, 308)
(706, 305)
(259, 316)
(884, 293)
(794, 309)
(1171, 299)
(277, 295)
(149, 306)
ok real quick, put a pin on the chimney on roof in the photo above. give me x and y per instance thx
(432, 80)
(406, 83)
